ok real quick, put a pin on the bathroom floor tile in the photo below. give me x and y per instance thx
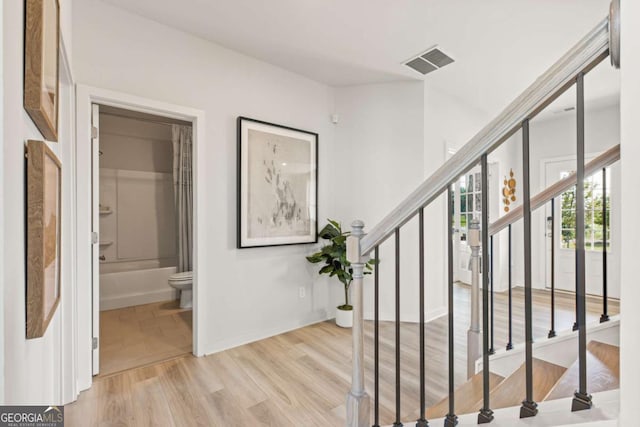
(143, 334)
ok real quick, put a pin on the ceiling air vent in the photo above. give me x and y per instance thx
(429, 61)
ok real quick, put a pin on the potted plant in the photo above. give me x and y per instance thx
(334, 257)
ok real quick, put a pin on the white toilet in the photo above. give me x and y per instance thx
(183, 282)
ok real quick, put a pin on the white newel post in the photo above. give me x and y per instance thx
(474, 336)
(357, 398)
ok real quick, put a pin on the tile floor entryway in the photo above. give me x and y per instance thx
(143, 334)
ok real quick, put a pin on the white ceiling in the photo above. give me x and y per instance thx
(500, 46)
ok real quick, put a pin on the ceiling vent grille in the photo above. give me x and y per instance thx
(429, 61)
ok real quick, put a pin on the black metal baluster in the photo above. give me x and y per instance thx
(605, 302)
(397, 423)
(529, 408)
(575, 323)
(510, 342)
(422, 421)
(376, 340)
(577, 291)
(486, 414)
(451, 419)
(581, 399)
(491, 348)
(552, 331)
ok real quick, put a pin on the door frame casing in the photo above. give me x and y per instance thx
(85, 97)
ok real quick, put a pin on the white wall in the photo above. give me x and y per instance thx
(389, 138)
(136, 145)
(33, 369)
(245, 294)
(630, 292)
(449, 123)
(378, 159)
(507, 157)
(136, 155)
(2, 203)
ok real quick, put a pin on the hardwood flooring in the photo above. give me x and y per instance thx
(300, 378)
(140, 335)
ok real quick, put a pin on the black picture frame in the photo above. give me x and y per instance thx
(277, 184)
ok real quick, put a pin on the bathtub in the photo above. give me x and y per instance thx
(134, 283)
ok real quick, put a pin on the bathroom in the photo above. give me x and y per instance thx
(145, 246)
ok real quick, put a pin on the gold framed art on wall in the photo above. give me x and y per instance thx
(41, 50)
(44, 199)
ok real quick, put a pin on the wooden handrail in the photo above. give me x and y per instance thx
(605, 159)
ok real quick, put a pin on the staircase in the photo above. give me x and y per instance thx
(603, 371)
(536, 381)
(551, 382)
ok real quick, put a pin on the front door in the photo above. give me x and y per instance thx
(564, 235)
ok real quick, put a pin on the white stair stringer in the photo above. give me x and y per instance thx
(561, 350)
(554, 413)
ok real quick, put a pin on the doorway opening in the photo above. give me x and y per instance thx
(142, 218)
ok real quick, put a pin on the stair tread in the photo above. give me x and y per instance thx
(607, 354)
(512, 391)
(468, 397)
(603, 372)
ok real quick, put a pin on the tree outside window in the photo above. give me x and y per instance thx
(593, 218)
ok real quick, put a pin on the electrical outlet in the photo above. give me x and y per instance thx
(302, 292)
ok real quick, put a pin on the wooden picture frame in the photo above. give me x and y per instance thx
(44, 200)
(277, 185)
(41, 52)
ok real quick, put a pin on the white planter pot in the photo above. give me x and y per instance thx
(344, 318)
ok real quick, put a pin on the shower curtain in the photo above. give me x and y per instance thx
(183, 194)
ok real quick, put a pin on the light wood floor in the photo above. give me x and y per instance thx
(299, 378)
(136, 336)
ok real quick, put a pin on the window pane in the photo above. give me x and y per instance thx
(568, 238)
(478, 203)
(593, 218)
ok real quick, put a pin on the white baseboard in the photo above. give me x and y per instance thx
(254, 336)
(128, 300)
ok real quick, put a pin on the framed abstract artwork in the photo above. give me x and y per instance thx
(41, 43)
(43, 236)
(277, 184)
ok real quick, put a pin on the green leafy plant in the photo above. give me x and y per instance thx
(334, 257)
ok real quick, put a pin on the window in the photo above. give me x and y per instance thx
(470, 201)
(593, 199)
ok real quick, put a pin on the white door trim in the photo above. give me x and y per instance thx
(68, 303)
(95, 243)
(85, 96)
